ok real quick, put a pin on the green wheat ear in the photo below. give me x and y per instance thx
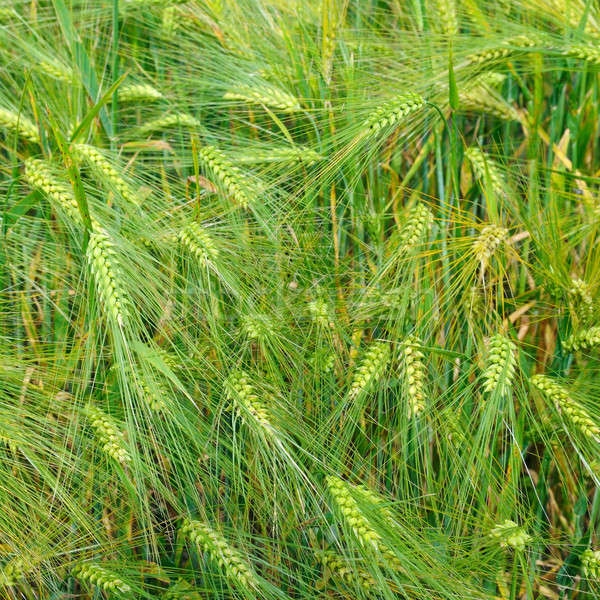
(590, 562)
(108, 435)
(19, 124)
(216, 546)
(583, 340)
(346, 572)
(500, 365)
(392, 112)
(265, 94)
(371, 368)
(413, 371)
(99, 576)
(138, 93)
(510, 535)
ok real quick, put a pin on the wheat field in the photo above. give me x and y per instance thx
(299, 299)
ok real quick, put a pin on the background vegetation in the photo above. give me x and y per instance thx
(299, 299)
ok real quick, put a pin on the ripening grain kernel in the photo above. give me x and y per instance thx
(574, 411)
(19, 124)
(107, 433)
(371, 368)
(264, 94)
(100, 577)
(106, 271)
(228, 175)
(510, 535)
(214, 544)
(104, 171)
(413, 371)
(198, 242)
(500, 365)
(392, 112)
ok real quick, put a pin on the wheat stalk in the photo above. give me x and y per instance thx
(500, 365)
(510, 535)
(565, 404)
(19, 124)
(100, 577)
(105, 172)
(371, 368)
(106, 271)
(227, 174)
(213, 543)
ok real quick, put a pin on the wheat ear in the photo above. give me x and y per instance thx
(583, 340)
(107, 433)
(371, 368)
(347, 573)
(392, 112)
(99, 576)
(413, 370)
(500, 365)
(199, 243)
(265, 94)
(214, 544)
(19, 124)
(510, 535)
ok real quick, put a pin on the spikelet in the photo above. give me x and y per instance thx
(139, 92)
(108, 434)
(482, 99)
(38, 175)
(341, 493)
(168, 121)
(349, 574)
(510, 535)
(100, 577)
(257, 327)
(105, 268)
(105, 172)
(583, 340)
(417, 224)
(228, 175)
(581, 295)
(486, 170)
(19, 124)
(56, 71)
(502, 51)
(500, 365)
(445, 16)
(13, 572)
(239, 390)
(320, 312)
(265, 94)
(198, 242)
(590, 561)
(154, 397)
(392, 112)
(282, 154)
(566, 405)
(214, 544)
(488, 242)
(413, 371)
(588, 53)
(371, 368)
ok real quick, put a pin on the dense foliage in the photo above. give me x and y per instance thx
(299, 299)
